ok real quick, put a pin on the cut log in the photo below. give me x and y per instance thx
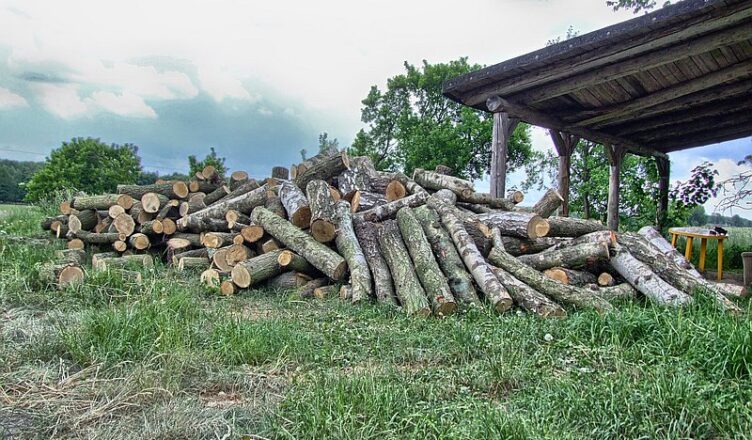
(677, 276)
(210, 278)
(451, 264)
(618, 292)
(196, 197)
(572, 227)
(436, 181)
(324, 170)
(291, 261)
(232, 217)
(287, 281)
(395, 190)
(124, 224)
(252, 233)
(430, 275)
(474, 207)
(516, 224)
(245, 187)
(515, 196)
(280, 173)
(570, 276)
(238, 178)
(269, 245)
(642, 278)
(202, 252)
(470, 196)
(75, 243)
(192, 239)
(169, 209)
(94, 238)
(571, 257)
(151, 202)
(296, 204)
(443, 169)
(325, 292)
(139, 241)
(320, 256)
(102, 255)
(193, 262)
(356, 178)
(135, 261)
(168, 226)
(215, 240)
(120, 246)
(362, 201)
(152, 227)
(384, 289)
(177, 190)
(307, 290)
(103, 201)
(605, 237)
(219, 259)
(46, 223)
(114, 211)
(243, 203)
(62, 275)
(216, 195)
(493, 290)
(605, 279)
(227, 288)
(237, 253)
(521, 246)
(256, 269)
(408, 289)
(274, 203)
(322, 220)
(389, 210)
(83, 221)
(65, 207)
(72, 256)
(349, 247)
(187, 208)
(528, 298)
(548, 204)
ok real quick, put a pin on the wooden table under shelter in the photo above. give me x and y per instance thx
(704, 235)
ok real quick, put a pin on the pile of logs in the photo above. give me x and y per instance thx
(333, 225)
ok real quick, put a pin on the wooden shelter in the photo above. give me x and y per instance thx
(677, 78)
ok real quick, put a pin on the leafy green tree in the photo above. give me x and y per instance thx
(13, 178)
(412, 125)
(326, 145)
(85, 164)
(212, 159)
(697, 216)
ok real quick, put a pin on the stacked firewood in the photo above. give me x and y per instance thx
(333, 224)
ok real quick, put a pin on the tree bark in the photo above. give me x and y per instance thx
(243, 203)
(570, 276)
(320, 256)
(256, 269)
(571, 257)
(295, 203)
(389, 210)
(177, 190)
(384, 289)
(642, 278)
(436, 181)
(429, 273)
(280, 173)
(528, 298)
(409, 291)
(494, 291)
(103, 201)
(522, 246)
(363, 201)
(572, 227)
(322, 220)
(470, 196)
(549, 203)
(216, 195)
(349, 247)
(324, 170)
(517, 224)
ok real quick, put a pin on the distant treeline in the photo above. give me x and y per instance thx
(698, 217)
(13, 174)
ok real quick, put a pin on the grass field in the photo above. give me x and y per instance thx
(110, 360)
(739, 240)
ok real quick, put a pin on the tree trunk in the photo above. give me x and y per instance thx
(521, 246)
(470, 196)
(528, 298)
(291, 261)
(409, 291)
(460, 281)
(83, 221)
(515, 196)
(363, 201)
(324, 170)
(322, 221)
(280, 173)
(384, 289)
(216, 195)
(517, 224)
(243, 203)
(287, 281)
(548, 204)
(177, 190)
(62, 275)
(320, 256)
(642, 278)
(103, 201)
(389, 210)
(296, 204)
(436, 181)
(494, 291)
(429, 273)
(571, 257)
(348, 247)
(256, 269)
(94, 238)
(570, 276)
(572, 227)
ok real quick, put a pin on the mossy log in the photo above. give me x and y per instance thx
(349, 247)
(571, 257)
(382, 278)
(528, 298)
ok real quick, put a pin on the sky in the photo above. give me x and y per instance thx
(256, 80)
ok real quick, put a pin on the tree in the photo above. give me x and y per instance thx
(85, 164)
(412, 125)
(737, 190)
(697, 216)
(326, 145)
(212, 159)
(13, 178)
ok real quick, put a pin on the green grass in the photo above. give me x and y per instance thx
(167, 359)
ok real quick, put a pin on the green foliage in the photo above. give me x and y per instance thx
(149, 177)
(326, 145)
(13, 178)
(85, 164)
(212, 159)
(412, 125)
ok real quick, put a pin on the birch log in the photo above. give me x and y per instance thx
(295, 203)
(322, 220)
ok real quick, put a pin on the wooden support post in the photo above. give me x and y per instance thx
(719, 277)
(502, 130)
(664, 171)
(615, 154)
(565, 144)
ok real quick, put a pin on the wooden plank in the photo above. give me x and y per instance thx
(712, 137)
(732, 119)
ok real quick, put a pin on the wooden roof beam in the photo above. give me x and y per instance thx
(498, 104)
(733, 119)
(717, 136)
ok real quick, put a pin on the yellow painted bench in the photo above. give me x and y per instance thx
(704, 235)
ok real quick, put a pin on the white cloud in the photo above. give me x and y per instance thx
(265, 111)
(61, 100)
(10, 100)
(126, 104)
(220, 85)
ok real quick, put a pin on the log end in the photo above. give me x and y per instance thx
(557, 274)
(446, 308)
(605, 279)
(395, 190)
(323, 230)
(210, 278)
(70, 276)
(252, 233)
(125, 201)
(76, 243)
(227, 288)
(180, 189)
(538, 227)
(503, 305)
(150, 203)
(240, 276)
(302, 217)
(168, 226)
(119, 245)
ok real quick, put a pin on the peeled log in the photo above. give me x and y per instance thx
(433, 280)
(571, 257)
(349, 247)
(384, 289)
(548, 204)
(323, 170)
(516, 224)
(320, 256)
(321, 218)
(575, 296)
(256, 269)
(572, 227)
(243, 203)
(494, 291)
(389, 210)
(436, 181)
(459, 280)
(570, 276)
(642, 278)
(295, 203)
(528, 298)
(409, 291)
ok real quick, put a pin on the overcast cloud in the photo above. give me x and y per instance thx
(256, 80)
